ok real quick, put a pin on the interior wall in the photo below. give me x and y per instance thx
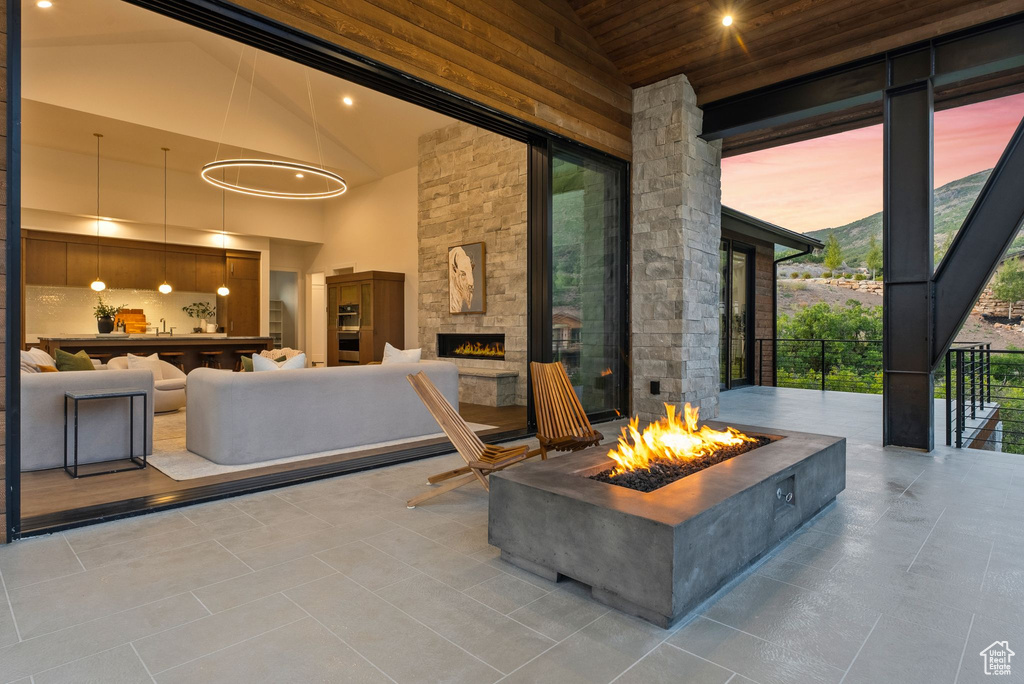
(373, 228)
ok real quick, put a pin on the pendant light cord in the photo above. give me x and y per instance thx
(165, 149)
(227, 111)
(316, 127)
(98, 136)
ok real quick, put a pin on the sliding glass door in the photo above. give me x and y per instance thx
(588, 278)
(735, 308)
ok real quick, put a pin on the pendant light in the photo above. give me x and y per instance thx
(98, 285)
(223, 290)
(165, 288)
(333, 184)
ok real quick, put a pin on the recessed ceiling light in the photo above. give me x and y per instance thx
(299, 175)
(347, 100)
(727, 20)
(45, 4)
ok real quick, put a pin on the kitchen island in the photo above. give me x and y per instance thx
(189, 346)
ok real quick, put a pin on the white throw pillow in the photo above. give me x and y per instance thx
(35, 357)
(28, 363)
(395, 355)
(151, 363)
(262, 363)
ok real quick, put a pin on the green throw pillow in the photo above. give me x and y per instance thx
(247, 363)
(74, 362)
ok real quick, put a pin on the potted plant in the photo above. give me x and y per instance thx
(105, 315)
(201, 311)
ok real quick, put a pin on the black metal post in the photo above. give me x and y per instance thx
(907, 236)
(959, 399)
(974, 384)
(949, 400)
(823, 365)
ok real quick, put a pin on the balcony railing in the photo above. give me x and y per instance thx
(983, 388)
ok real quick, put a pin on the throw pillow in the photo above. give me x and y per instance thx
(261, 363)
(28, 364)
(46, 369)
(150, 363)
(247, 362)
(74, 362)
(33, 358)
(395, 355)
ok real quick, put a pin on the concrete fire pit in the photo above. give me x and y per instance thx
(658, 554)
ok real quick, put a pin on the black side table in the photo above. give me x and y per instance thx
(89, 395)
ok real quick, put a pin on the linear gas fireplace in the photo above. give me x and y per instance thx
(471, 345)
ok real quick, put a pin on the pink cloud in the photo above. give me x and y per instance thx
(833, 180)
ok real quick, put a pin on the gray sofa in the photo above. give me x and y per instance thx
(240, 418)
(103, 423)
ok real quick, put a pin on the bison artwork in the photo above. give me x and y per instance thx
(466, 289)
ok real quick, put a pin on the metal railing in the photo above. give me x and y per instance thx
(840, 365)
(983, 388)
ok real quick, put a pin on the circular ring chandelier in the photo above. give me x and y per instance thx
(338, 188)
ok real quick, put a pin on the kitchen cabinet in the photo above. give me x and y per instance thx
(364, 311)
(181, 271)
(46, 262)
(211, 272)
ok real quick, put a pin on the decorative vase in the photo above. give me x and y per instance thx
(105, 324)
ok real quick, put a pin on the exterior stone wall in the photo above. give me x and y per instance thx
(675, 262)
(472, 188)
(987, 304)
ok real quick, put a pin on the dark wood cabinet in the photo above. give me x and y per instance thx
(211, 272)
(364, 311)
(181, 271)
(71, 260)
(46, 262)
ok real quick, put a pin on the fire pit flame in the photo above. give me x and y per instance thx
(672, 439)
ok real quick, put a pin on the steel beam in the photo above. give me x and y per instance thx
(979, 246)
(979, 51)
(907, 237)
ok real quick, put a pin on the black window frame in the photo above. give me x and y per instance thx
(725, 336)
(256, 30)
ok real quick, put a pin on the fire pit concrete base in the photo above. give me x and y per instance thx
(657, 555)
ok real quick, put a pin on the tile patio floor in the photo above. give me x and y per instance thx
(916, 569)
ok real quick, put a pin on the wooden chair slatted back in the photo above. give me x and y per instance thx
(465, 441)
(559, 411)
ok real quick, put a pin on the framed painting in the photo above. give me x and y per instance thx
(467, 279)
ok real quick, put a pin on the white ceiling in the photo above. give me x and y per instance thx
(146, 82)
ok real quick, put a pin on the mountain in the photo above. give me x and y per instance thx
(952, 202)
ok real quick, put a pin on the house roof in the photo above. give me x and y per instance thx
(753, 227)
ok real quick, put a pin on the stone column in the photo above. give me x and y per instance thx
(675, 239)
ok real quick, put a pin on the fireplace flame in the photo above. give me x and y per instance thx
(673, 438)
(478, 349)
(606, 372)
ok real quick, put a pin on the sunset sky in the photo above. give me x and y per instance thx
(833, 180)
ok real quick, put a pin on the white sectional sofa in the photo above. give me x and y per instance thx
(241, 418)
(103, 423)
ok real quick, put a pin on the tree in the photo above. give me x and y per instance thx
(874, 257)
(1008, 285)
(833, 253)
(941, 250)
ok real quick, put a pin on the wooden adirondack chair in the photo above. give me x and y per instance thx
(481, 459)
(562, 423)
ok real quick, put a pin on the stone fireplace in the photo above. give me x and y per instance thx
(472, 188)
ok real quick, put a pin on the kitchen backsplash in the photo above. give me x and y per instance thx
(53, 310)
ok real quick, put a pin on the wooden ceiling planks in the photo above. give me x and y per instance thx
(532, 59)
(770, 41)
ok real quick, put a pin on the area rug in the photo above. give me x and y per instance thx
(178, 463)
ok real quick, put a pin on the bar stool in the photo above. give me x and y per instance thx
(241, 353)
(210, 359)
(175, 358)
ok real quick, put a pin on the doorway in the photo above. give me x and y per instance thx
(736, 313)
